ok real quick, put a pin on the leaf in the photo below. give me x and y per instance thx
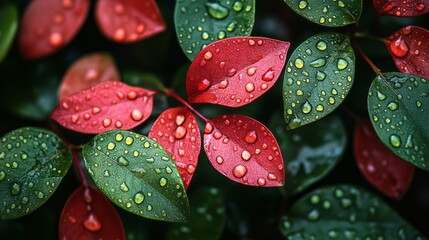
(409, 49)
(199, 23)
(384, 170)
(244, 150)
(101, 222)
(235, 71)
(176, 130)
(48, 26)
(330, 13)
(319, 75)
(144, 80)
(344, 212)
(33, 163)
(137, 174)
(106, 106)
(129, 21)
(8, 27)
(207, 217)
(86, 72)
(398, 104)
(311, 151)
(401, 8)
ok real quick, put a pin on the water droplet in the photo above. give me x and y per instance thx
(321, 45)
(56, 39)
(342, 64)
(261, 182)
(381, 96)
(341, 4)
(129, 140)
(319, 108)
(239, 171)
(302, 4)
(251, 137)
(231, 72)
(205, 35)
(245, 155)
(268, 75)
(2, 175)
(250, 87)
(399, 48)
(203, 85)
(395, 140)
(180, 132)
(107, 122)
(208, 128)
(313, 215)
(299, 63)
(223, 84)
(162, 182)
(92, 223)
(219, 159)
(190, 169)
(314, 199)
(221, 34)
(231, 26)
(132, 95)
(139, 198)
(237, 6)
(208, 55)
(15, 188)
(122, 161)
(124, 187)
(136, 115)
(318, 63)
(320, 75)
(216, 10)
(119, 34)
(421, 7)
(111, 146)
(306, 108)
(339, 193)
(40, 195)
(392, 106)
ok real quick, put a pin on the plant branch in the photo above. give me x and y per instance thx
(368, 60)
(172, 94)
(366, 36)
(79, 168)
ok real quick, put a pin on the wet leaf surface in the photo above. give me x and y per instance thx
(8, 27)
(401, 8)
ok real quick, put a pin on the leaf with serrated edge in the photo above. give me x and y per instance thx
(105, 106)
(244, 150)
(319, 75)
(235, 71)
(34, 161)
(8, 27)
(401, 8)
(137, 174)
(398, 106)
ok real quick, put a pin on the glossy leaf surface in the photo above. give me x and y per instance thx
(106, 106)
(129, 21)
(137, 174)
(8, 27)
(344, 212)
(244, 150)
(199, 23)
(383, 169)
(235, 71)
(176, 130)
(409, 48)
(398, 104)
(33, 163)
(47, 26)
(86, 72)
(100, 222)
(330, 13)
(401, 8)
(318, 76)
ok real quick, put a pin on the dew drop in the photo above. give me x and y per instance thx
(250, 87)
(122, 161)
(306, 108)
(132, 95)
(129, 140)
(342, 64)
(96, 110)
(261, 182)
(223, 84)
(313, 215)
(231, 72)
(251, 71)
(245, 155)
(15, 188)
(237, 6)
(92, 223)
(320, 75)
(139, 198)
(395, 141)
(180, 119)
(107, 122)
(251, 137)
(321, 45)
(299, 63)
(381, 96)
(56, 39)
(219, 159)
(399, 48)
(216, 10)
(190, 169)
(231, 26)
(162, 182)
(302, 4)
(208, 55)
(239, 171)
(392, 106)
(268, 75)
(180, 132)
(2, 175)
(203, 85)
(318, 63)
(40, 195)
(208, 128)
(124, 187)
(136, 115)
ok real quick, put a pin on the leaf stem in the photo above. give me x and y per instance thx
(366, 36)
(79, 168)
(171, 93)
(368, 60)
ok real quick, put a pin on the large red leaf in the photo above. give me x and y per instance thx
(129, 20)
(89, 215)
(49, 25)
(106, 106)
(401, 8)
(86, 72)
(177, 131)
(244, 150)
(235, 71)
(409, 48)
(383, 169)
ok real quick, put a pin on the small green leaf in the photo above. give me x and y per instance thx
(137, 174)
(344, 212)
(319, 74)
(144, 80)
(8, 27)
(33, 162)
(398, 104)
(330, 13)
(199, 23)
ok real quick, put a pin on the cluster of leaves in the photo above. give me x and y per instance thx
(149, 174)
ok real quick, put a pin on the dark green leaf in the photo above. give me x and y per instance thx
(344, 212)
(199, 23)
(330, 13)
(399, 107)
(144, 80)
(32, 164)
(319, 74)
(137, 174)
(8, 27)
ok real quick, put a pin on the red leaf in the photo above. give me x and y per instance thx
(409, 48)
(235, 71)
(129, 20)
(401, 8)
(49, 25)
(106, 106)
(86, 72)
(244, 150)
(383, 169)
(89, 215)
(177, 131)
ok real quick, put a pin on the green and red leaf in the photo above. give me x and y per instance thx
(401, 8)
(8, 27)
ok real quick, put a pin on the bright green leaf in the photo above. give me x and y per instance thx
(344, 212)
(137, 174)
(399, 107)
(318, 76)
(330, 13)
(199, 23)
(8, 27)
(33, 162)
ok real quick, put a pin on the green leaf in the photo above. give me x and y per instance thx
(199, 23)
(33, 162)
(144, 80)
(319, 74)
(330, 13)
(398, 104)
(311, 152)
(8, 27)
(207, 217)
(344, 212)
(137, 174)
